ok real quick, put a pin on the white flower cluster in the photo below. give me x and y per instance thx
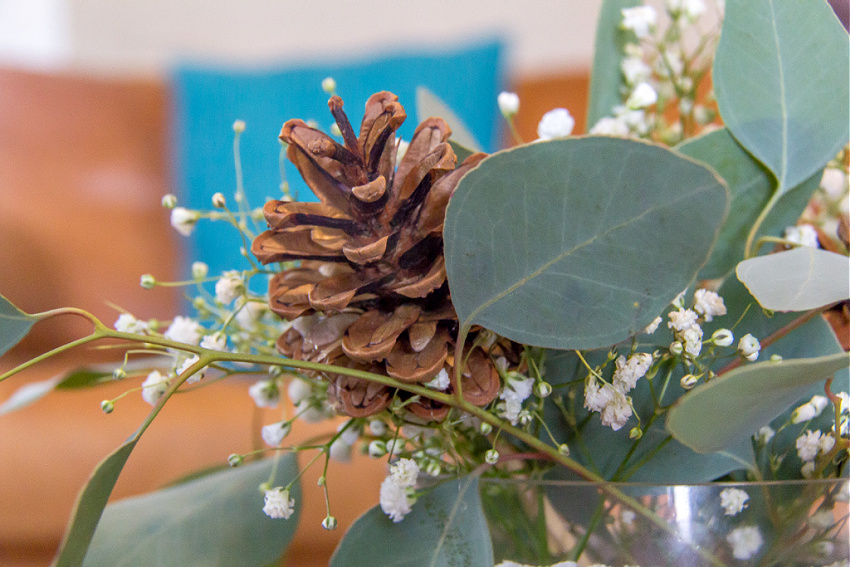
(517, 389)
(745, 541)
(278, 503)
(126, 323)
(733, 500)
(509, 563)
(804, 235)
(397, 494)
(685, 323)
(610, 400)
(809, 445)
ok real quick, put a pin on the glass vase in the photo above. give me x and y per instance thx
(786, 523)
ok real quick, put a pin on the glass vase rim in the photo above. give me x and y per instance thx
(647, 485)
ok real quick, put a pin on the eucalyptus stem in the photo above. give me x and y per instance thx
(748, 246)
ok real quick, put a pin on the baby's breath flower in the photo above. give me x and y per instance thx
(749, 347)
(169, 201)
(298, 390)
(826, 443)
(278, 503)
(184, 366)
(402, 149)
(249, 315)
(329, 523)
(635, 70)
(810, 409)
(723, 337)
(154, 387)
(652, 326)
(404, 472)
(126, 323)
(642, 96)
(275, 433)
(265, 393)
(183, 220)
(377, 449)
(440, 382)
(200, 270)
(682, 319)
(733, 500)
(640, 19)
(377, 427)
(676, 348)
(708, 304)
(690, 9)
(184, 330)
(340, 451)
(229, 286)
(804, 235)
(628, 372)
(107, 406)
(688, 381)
(508, 103)
(745, 541)
(218, 200)
(147, 281)
(395, 500)
(329, 85)
(808, 469)
(692, 340)
(238, 126)
(808, 445)
(610, 126)
(491, 457)
(556, 123)
(215, 341)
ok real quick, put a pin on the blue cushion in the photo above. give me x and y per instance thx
(207, 100)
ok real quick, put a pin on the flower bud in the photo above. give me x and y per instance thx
(119, 373)
(218, 200)
(147, 281)
(749, 347)
(688, 381)
(329, 523)
(377, 427)
(722, 337)
(635, 433)
(775, 358)
(322, 481)
(377, 449)
(234, 460)
(335, 131)
(564, 449)
(169, 201)
(491, 457)
(238, 126)
(508, 103)
(485, 429)
(329, 85)
(543, 389)
(200, 270)
(676, 348)
(107, 406)
(433, 468)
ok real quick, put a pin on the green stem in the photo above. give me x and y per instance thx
(598, 513)
(48, 354)
(748, 247)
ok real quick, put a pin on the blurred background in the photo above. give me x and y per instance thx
(106, 106)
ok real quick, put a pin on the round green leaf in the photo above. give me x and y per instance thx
(781, 78)
(580, 242)
(733, 406)
(446, 528)
(213, 520)
(14, 324)
(797, 280)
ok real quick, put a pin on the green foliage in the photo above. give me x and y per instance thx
(14, 324)
(797, 280)
(730, 408)
(446, 527)
(586, 239)
(428, 104)
(750, 189)
(781, 79)
(89, 507)
(213, 520)
(606, 78)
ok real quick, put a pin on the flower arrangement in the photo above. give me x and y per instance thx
(642, 304)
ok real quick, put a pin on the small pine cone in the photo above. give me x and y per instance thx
(370, 292)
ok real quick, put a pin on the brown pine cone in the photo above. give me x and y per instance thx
(370, 292)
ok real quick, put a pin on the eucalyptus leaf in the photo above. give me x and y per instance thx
(578, 242)
(799, 279)
(445, 528)
(428, 104)
(606, 77)
(781, 79)
(28, 394)
(213, 520)
(733, 406)
(14, 324)
(750, 188)
(89, 507)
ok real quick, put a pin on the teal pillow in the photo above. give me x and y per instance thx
(208, 99)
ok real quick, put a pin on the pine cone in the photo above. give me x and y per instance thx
(371, 292)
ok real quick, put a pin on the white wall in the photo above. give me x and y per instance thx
(145, 36)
